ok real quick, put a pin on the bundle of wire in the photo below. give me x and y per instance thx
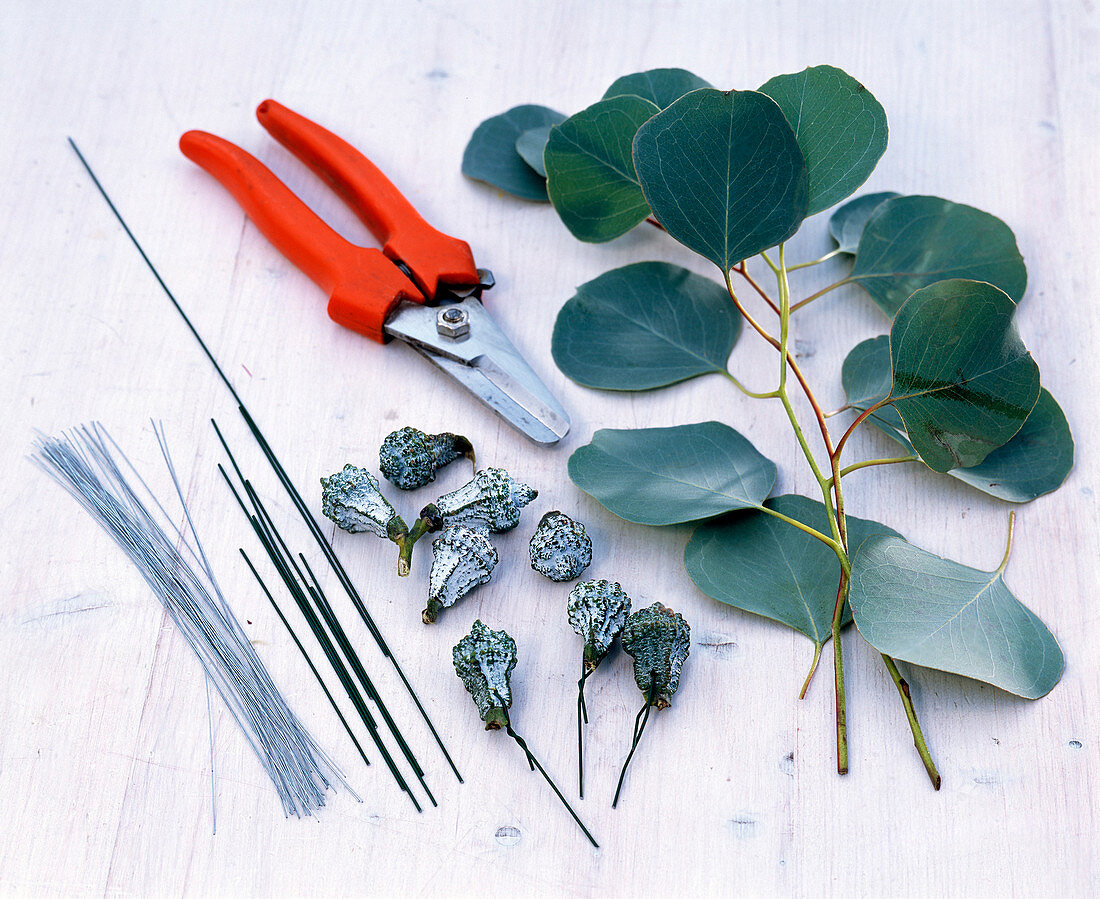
(177, 570)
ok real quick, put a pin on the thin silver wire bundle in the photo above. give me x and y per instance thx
(179, 574)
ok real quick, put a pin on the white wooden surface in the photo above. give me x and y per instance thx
(104, 760)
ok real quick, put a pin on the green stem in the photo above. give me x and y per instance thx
(820, 293)
(810, 674)
(1008, 543)
(406, 542)
(914, 725)
(860, 419)
(838, 677)
(744, 273)
(869, 462)
(818, 261)
(784, 318)
(805, 528)
(767, 395)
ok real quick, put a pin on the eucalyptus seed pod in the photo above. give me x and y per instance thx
(351, 498)
(560, 548)
(484, 660)
(464, 558)
(597, 612)
(409, 458)
(659, 639)
(493, 500)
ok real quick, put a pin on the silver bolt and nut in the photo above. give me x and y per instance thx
(452, 322)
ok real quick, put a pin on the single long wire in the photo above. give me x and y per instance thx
(276, 465)
(535, 764)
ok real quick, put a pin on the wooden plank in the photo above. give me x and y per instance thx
(104, 756)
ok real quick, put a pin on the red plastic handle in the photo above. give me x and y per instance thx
(434, 258)
(363, 285)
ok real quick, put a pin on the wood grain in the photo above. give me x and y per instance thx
(104, 758)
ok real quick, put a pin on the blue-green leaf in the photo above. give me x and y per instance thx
(847, 223)
(590, 173)
(645, 325)
(759, 563)
(911, 242)
(491, 153)
(964, 382)
(929, 611)
(839, 125)
(723, 173)
(1034, 462)
(672, 475)
(660, 86)
(530, 146)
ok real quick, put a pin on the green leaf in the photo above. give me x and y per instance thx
(590, 173)
(1034, 462)
(756, 562)
(847, 223)
(660, 86)
(530, 145)
(911, 242)
(491, 153)
(672, 475)
(928, 611)
(723, 173)
(839, 125)
(645, 325)
(963, 381)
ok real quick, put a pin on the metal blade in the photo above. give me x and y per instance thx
(484, 361)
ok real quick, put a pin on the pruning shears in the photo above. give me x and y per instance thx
(422, 287)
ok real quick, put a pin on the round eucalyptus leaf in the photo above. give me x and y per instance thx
(660, 86)
(911, 242)
(847, 223)
(839, 125)
(761, 564)
(530, 145)
(933, 612)
(491, 153)
(672, 475)
(964, 383)
(1034, 462)
(723, 173)
(590, 173)
(645, 325)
